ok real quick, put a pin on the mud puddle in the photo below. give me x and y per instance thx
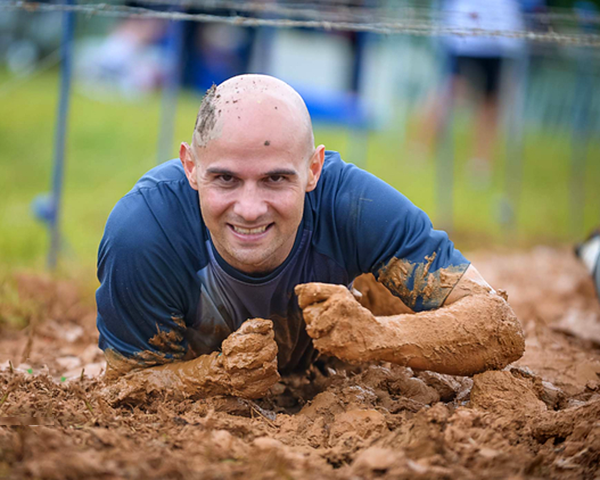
(538, 418)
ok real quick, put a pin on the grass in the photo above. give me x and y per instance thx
(112, 143)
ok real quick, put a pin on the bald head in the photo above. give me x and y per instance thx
(256, 109)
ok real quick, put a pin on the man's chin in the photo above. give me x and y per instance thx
(255, 268)
(253, 261)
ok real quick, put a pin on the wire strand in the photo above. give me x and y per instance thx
(358, 9)
(413, 27)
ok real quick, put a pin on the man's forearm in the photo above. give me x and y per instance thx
(201, 377)
(246, 367)
(476, 333)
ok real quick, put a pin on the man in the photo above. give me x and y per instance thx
(253, 211)
(476, 65)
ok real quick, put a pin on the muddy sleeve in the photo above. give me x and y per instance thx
(141, 304)
(382, 232)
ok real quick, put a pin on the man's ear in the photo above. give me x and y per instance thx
(189, 165)
(315, 167)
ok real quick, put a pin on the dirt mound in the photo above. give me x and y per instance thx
(538, 418)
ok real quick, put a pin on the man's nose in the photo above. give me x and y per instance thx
(250, 205)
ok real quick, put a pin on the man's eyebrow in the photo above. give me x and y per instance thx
(278, 171)
(281, 171)
(220, 171)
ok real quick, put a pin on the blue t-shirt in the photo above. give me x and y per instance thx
(165, 292)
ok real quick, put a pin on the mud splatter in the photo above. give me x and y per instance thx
(377, 298)
(169, 341)
(206, 127)
(416, 286)
(168, 345)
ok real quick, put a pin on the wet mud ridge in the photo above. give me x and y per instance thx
(537, 418)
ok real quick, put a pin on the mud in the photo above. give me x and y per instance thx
(206, 127)
(431, 287)
(246, 367)
(168, 347)
(537, 418)
(375, 297)
(476, 333)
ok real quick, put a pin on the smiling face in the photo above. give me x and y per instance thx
(252, 160)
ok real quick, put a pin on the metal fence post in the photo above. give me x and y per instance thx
(170, 91)
(584, 93)
(60, 135)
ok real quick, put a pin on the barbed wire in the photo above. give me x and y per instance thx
(362, 11)
(334, 14)
(346, 8)
(407, 26)
(289, 11)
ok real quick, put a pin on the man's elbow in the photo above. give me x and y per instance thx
(498, 336)
(510, 331)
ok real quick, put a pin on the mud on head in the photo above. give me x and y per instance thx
(206, 119)
(261, 103)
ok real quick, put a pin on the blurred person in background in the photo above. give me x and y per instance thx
(129, 60)
(136, 56)
(474, 67)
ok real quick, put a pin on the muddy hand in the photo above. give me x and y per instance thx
(336, 322)
(138, 386)
(250, 358)
(119, 392)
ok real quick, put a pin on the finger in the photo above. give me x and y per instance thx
(311, 293)
(248, 360)
(255, 375)
(250, 343)
(255, 325)
(317, 324)
(255, 383)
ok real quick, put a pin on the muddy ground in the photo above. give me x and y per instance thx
(539, 418)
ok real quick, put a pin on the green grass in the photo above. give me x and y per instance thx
(112, 143)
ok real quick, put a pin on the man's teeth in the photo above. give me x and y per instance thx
(250, 231)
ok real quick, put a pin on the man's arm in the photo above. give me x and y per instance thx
(461, 326)
(471, 283)
(146, 291)
(475, 330)
(246, 367)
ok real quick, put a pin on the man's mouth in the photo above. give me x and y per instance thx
(250, 231)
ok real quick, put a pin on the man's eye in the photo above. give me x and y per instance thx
(276, 178)
(225, 178)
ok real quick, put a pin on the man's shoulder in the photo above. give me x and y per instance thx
(335, 208)
(333, 165)
(335, 173)
(170, 172)
(162, 196)
(343, 181)
(160, 210)
(166, 192)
